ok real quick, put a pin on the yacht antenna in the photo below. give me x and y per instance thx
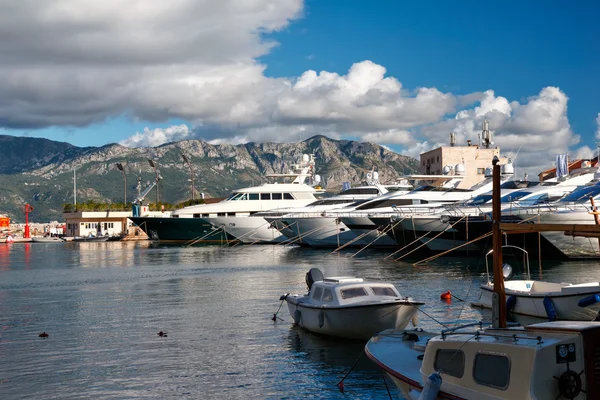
(486, 135)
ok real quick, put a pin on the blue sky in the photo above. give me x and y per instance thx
(179, 71)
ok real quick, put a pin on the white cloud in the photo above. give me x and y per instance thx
(196, 61)
(157, 136)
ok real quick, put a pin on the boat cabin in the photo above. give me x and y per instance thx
(343, 291)
(516, 363)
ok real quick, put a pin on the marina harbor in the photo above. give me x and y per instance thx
(461, 281)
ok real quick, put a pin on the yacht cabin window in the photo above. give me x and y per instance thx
(451, 362)
(253, 196)
(196, 216)
(204, 215)
(276, 196)
(492, 370)
(383, 291)
(353, 292)
(265, 196)
(317, 293)
(220, 214)
(327, 295)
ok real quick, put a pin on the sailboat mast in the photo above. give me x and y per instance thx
(499, 319)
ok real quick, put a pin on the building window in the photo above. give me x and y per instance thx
(438, 158)
(480, 171)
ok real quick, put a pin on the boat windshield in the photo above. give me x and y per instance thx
(581, 194)
(326, 202)
(514, 196)
(362, 191)
(481, 199)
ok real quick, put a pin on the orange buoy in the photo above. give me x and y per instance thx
(447, 295)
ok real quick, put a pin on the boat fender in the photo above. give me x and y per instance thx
(588, 301)
(321, 318)
(510, 303)
(415, 320)
(297, 317)
(432, 387)
(549, 306)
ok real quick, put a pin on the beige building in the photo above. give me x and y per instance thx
(450, 160)
(95, 223)
(111, 223)
(470, 161)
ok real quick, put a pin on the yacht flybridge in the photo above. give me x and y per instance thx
(206, 222)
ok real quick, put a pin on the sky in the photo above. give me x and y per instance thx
(397, 73)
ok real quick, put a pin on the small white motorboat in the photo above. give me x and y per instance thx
(91, 239)
(549, 300)
(349, 307)
(47, 239)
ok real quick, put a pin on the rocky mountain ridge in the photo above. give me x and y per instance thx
(44, 175)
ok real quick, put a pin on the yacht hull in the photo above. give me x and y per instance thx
(182, 230)
(530, 300)
(248, 229)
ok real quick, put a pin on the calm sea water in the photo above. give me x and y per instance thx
(103, 303)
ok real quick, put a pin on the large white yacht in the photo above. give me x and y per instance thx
(206, 222)
(346, 198)
(325, 229)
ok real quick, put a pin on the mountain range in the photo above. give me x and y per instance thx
(41, 172)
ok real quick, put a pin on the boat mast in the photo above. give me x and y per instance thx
(74, 189)
(499, 299)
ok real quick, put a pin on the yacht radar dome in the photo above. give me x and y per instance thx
(459, 169)
(375, 175)
(446, 170)
(507, 169)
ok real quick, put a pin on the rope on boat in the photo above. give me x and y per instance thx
(309, 232)
(198, 239)
(348, 243)
(385, 383)
(433, 238)
(340, 384)
(384, 232)
(451, 250)
(414, 241)
(249, 233)
(419, 309)
(275, 317)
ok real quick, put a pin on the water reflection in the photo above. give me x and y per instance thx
(103, 303)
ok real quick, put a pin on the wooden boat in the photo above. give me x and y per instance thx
(349, 307)
(549, 360)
